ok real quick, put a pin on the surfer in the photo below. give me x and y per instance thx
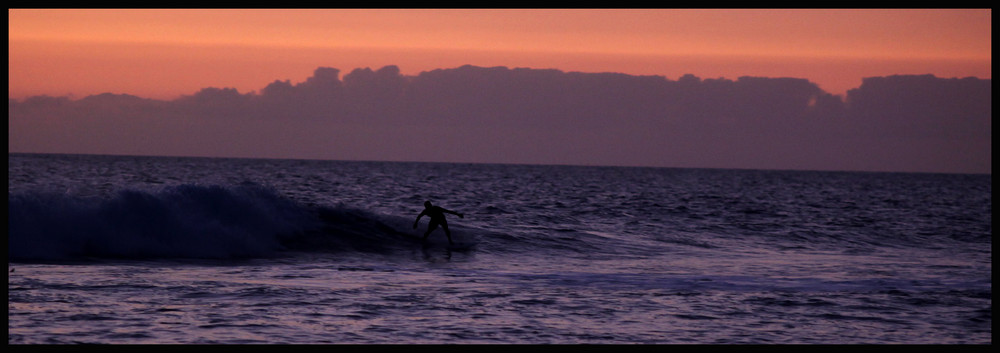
(437, 218)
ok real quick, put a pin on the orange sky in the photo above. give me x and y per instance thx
(167, 53)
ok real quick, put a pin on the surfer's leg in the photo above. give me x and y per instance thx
(430, 228)
(447, 232)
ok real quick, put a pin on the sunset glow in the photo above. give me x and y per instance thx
(168, 53)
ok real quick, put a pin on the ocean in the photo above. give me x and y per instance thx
(171, 250)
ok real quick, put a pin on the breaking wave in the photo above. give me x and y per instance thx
(186, 221)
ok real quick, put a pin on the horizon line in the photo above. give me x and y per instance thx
(493, 163)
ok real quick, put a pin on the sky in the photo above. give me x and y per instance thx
(164, 53)
(864, 90)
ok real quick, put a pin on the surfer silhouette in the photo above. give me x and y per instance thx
(436, 215)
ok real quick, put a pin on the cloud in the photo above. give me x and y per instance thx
(504, 115)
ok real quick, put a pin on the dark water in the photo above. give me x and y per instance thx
(197, 250)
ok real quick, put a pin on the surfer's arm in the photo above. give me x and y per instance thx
(422, 213)
(454, 213)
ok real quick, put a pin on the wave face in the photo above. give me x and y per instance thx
(186, 221)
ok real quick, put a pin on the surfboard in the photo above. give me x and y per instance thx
(434, 242)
